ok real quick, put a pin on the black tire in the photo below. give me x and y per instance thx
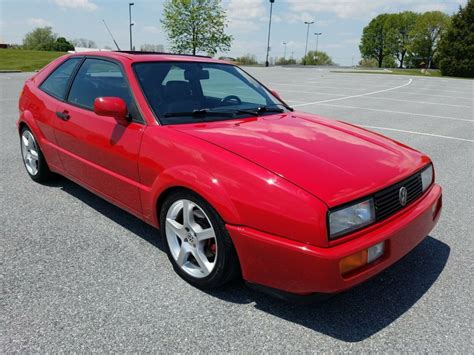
(43, 174)
(227, 265)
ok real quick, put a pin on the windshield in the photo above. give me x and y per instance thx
(183, 92)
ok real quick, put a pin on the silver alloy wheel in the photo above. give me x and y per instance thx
(191, 238)
(29, 151)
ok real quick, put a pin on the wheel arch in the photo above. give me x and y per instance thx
(21, 126)
(199, 182)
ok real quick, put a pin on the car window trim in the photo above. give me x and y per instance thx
(138, 120)
(70, 79)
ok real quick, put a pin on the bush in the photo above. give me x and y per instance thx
(369, 63)
(317, 58)
(284, 61)
(248, 59)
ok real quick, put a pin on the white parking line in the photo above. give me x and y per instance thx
(397, 112)
(418, 133)
(442, 90)
(416, 102)
(434, 95)
(359, 95)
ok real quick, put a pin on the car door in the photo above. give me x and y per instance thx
(42, 103)
(96, 150)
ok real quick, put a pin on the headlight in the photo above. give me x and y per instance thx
(427, 177)
(351, 218)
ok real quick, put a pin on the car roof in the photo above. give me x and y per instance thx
(136, 56)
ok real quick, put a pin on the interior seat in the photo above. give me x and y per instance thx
(179, 97)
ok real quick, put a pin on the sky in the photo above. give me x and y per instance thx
(340, 21)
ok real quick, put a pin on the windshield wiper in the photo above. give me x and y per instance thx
(257, 111)
(265, 109)
(201, 113)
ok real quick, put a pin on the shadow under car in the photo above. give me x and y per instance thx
(350, 316)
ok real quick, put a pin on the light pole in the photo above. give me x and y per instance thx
(317, 34)
(307, 36)
(284, 53)
(130, 4)
(269, 30)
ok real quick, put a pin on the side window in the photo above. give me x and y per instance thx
(221, 84)
(57, 82)
(98, 78)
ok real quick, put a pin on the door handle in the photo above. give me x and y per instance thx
(63, 115)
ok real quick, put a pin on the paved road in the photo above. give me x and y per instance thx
(79, 274)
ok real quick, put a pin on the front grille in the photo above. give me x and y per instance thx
(387, 201)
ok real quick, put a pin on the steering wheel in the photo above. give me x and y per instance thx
(231, 99)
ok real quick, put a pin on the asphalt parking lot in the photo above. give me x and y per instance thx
(78, 274)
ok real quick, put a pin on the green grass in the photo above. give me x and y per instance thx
(25, 60)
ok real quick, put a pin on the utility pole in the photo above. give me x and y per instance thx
(130, 4)
(284, 53)
(269, 30)
(317, 34)
(307, 36)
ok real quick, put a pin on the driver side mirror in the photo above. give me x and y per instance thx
(112, 107)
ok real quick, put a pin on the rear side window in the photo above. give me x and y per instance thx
(97, 78)
(57, 82)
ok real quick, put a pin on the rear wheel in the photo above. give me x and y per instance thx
(197, 243)
(33, 158)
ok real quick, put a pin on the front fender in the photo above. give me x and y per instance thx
(242, 192)
(201, 182)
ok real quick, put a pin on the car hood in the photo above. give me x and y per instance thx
(334, 161)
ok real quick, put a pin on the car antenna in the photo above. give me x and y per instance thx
(111, 35)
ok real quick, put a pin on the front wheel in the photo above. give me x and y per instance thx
(197, 242)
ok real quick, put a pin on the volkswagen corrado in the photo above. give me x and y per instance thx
(238, 183)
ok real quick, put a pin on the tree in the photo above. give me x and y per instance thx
(378, 39)
(84, 43)
(39, 39)
(196, 26)
(317, 58)
(456, 48)
(403, 25)
(426, 34)
(43, 39)
(61, 45)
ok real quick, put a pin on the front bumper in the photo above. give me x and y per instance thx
(278, 263)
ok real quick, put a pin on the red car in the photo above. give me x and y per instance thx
(236, 181)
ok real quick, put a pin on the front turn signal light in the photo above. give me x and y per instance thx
(361, 258)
